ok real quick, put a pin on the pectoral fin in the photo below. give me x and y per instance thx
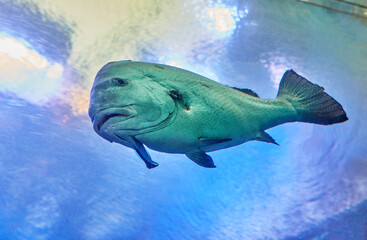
(201, 158)
(265, 137)
(142, 152)
(203, 141)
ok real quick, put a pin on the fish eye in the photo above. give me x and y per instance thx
(119, 81)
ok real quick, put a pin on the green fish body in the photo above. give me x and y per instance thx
(172, 110)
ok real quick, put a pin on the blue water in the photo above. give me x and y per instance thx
(60, 180)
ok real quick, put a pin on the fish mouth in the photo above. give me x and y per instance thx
(125, 112)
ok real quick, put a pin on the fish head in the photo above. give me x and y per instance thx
(125, 101)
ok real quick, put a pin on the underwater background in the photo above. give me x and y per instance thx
(60, 180)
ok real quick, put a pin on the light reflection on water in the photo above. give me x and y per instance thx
(59, 180)
(25, 72)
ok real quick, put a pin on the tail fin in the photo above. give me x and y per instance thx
(312, 104)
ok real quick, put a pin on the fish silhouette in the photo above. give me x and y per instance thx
(173, 110)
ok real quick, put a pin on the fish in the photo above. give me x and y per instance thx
(172, 110)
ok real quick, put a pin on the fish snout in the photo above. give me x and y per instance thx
(92, 111)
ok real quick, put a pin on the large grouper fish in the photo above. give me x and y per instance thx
(173, 110)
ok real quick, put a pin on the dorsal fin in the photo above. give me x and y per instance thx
(247, 91)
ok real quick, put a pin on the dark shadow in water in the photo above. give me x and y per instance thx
(48, 37)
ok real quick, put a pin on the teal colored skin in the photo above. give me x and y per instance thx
(172, 110)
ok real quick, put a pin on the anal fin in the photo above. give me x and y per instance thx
(201, 158)
(265, 137)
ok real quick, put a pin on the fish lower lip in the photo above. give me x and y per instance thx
(123, 112)
(107, 117)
